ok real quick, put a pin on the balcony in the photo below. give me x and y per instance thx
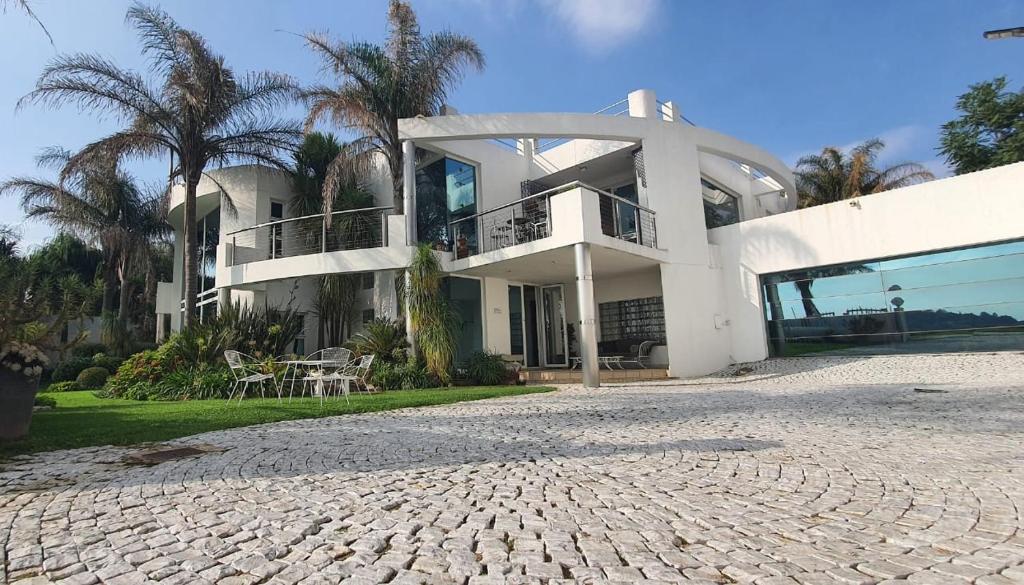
(571, 208)
(357, 229)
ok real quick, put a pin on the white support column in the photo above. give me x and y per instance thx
(588, 320)
(409, 190)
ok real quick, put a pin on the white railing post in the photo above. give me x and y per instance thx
(514, 242)
(384, 228)
(323, 235)
(234, 246)
(273, 241)
(636, 215)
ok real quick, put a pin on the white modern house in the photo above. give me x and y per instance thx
(569, 238)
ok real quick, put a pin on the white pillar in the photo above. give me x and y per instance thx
(643, 103)
(409, 190)
(588, 321)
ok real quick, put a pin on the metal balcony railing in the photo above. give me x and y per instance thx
(529, 219)
(355, 229)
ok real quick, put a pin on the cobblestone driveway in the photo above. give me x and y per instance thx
(809, 471)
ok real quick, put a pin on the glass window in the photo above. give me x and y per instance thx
(959, 300)
(720, 208)
(367, 281)
(515, 318)
(207, 238)
(445, 192)
(299, 345)
(368, 316)
(467, 302)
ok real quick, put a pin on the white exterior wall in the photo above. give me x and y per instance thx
(967, 210)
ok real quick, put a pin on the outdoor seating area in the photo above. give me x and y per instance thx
(325, 373)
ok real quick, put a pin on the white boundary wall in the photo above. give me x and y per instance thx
(973, 209)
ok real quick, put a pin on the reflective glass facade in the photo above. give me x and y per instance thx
(970, 299)
(720, 208)
(445, 192)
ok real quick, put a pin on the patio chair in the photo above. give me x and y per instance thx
(326, 368)
(359, 372)
(642, 357)
(245, 370)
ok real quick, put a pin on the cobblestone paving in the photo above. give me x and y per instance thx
(803, 471)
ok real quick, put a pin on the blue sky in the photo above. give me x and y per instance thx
(789, 75)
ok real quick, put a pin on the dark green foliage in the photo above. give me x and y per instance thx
(383, 338)
(258, 331)
(409, 375)
(989, 131)
(88, 350)
(138, 374)
(65, 386)
(92, 377)
(108, 362)
(68, 370)
(49, 401)
(486, 369)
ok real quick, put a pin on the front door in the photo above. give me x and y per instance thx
(556, 339)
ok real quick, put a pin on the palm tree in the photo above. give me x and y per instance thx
(24, 6)
(103, 203)
(835, 175)
(411, 75)
(336, 293)
(198, 111)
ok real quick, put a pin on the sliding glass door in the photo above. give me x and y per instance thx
(556, 339)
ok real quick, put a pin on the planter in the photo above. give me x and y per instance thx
(17, 396)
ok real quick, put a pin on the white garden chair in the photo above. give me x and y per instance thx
(246, 370)
(359, 372)
(326, 367)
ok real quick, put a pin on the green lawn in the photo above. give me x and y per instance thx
(82, 420)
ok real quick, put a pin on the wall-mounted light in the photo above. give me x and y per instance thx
(855, 203)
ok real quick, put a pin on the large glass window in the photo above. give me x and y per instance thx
(720, 208)
(207, 238)
(467, 301)
(970, 299)
(445, 192)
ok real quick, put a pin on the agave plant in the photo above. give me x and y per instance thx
(383, 338)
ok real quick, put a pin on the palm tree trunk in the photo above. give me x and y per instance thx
(810, 309)
(123, 295)
(190, 252)
(109, 286)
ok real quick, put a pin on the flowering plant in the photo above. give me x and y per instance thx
(22, 357)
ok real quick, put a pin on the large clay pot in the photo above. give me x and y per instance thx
(17, 397)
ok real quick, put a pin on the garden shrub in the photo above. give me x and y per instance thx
(88, 350)
(383, 338)
(49, 401)
(69, 369)
(65, 386)
(137, 375)
(410, 375)
(108, 362)
(197, 383)
(92, 377)
(486, 369)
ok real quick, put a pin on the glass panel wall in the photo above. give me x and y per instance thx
(720, 208)
(445, 192)
(207, 239)
(970, 299)
(515, 319)
(466, 300)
